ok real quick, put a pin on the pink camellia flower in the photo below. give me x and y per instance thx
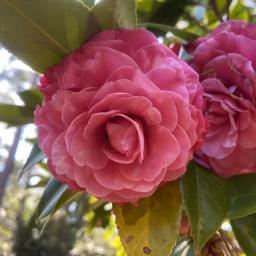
(121, 116)
(226, 62)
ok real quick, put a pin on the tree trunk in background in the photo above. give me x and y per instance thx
(9, 164)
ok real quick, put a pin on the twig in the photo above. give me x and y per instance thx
(216, 10)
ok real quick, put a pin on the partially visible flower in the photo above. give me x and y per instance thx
(226, 62)
(122, 115)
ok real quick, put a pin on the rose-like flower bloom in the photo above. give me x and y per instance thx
(226, 62)
(122, 115)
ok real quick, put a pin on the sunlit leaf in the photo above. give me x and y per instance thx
(15, 115)
(31, 97)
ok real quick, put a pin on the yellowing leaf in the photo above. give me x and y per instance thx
(151, 227)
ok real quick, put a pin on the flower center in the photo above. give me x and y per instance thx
(122, 135)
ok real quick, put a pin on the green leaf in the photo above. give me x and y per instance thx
(115, 14)
(245, 232)
(161, 11)
(210, 199)
(31, 98)
(242, 196)
(35, 156)
(206, 202)
(182, 34)
(51, 195)
(15, 115)
(42, 32)
(152, 226)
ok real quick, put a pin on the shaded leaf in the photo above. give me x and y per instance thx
(42, 32)
(245, 232)
(182, 34)
(152, 226)
(35, 156)
(51, 195)
(160, 11)
(206, 202)
(242, 195)
(66, 197)
(15, 115)
(115, 14)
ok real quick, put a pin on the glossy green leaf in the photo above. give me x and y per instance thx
(206, 202)
(245, 232)
(242, 195)
(51, 195)
(115, 14)
(42, 32)
(209, 197)
(152, 226)
(182, 34)
(15, 115)
(35, 156)
(31, 97)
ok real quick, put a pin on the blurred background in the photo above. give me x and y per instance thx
(83, 225)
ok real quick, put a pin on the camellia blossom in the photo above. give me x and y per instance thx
(226, 62)
(121, 115)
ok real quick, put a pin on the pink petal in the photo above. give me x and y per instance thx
(247, 137)
(170, 79)
(135, 38)
(85, 179)
(138, 106)
(152, 55)
(76, 104)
